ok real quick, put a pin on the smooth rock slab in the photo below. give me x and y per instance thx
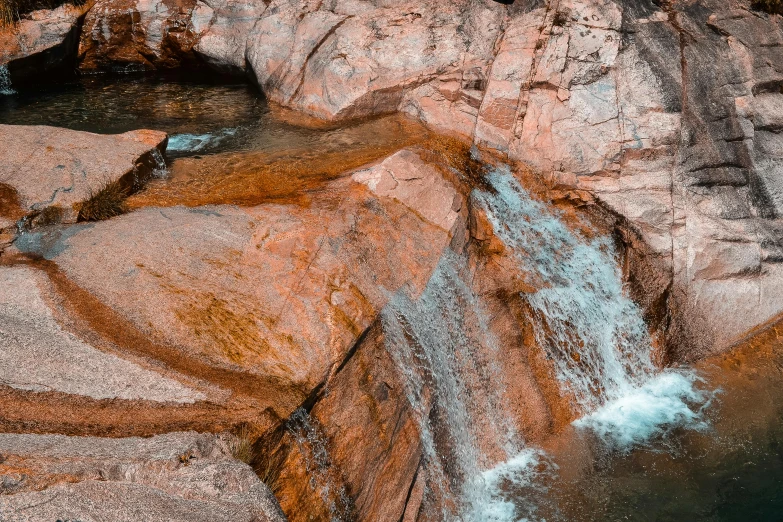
(53, 167)
(275, 290)
(37, 355)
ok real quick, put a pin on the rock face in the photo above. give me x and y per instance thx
(285, 298)
(43, 42)
(38, 355)
(178, 476)
(617, 98)
(137, 35)
(47, 172)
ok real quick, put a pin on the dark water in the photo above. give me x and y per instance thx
(730, 471)
(178, 105)
(202, 114)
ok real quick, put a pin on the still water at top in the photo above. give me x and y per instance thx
(226, 144)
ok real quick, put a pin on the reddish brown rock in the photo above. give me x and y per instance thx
(137, 35)
(50, 172)
(43, 43)
(278, 291)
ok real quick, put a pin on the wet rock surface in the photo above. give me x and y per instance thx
(139, 35)
(617, 98)
(271, 314)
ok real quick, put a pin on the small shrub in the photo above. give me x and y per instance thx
(49, 216)
(106, 203)
(561, 18)
(185, 458)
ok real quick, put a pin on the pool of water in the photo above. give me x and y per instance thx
(182, 106)
(730, 471)
(226, 143)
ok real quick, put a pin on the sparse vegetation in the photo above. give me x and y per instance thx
(49, 216)
(105, 203)
(241, 445)
(769, 6)
(13, 10)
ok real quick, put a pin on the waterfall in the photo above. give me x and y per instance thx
(479, 469)
(590, 329)
(5, 80)
(160, 170)
(443, 347)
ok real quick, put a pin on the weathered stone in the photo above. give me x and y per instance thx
(38, 355)
(52, 171)
(178, 476)
(289, 289)
(224, 26)
(137, 35)
(43, 43)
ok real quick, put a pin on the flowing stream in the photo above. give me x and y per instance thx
(648, 444)
(593, 332)
(480, 469)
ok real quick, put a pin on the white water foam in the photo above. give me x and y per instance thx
(667, 401)
(199, 142)
(591, 330)
(5, 81)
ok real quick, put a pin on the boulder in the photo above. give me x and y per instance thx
(48, 172)
(42, 43)
(350, 62)
(224, 26)
(276, 292)
(177, 476)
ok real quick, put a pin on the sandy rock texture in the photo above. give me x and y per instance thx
(177, 476)
(47, 172)
(39, 355)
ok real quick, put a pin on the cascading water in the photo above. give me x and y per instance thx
(594, 334)
(160, 170)
(479, 469)
(5, 81)
(313, 446)
(442, 344)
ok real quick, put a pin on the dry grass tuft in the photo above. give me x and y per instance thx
(49, 216)
(241, 444)
(105, 203)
